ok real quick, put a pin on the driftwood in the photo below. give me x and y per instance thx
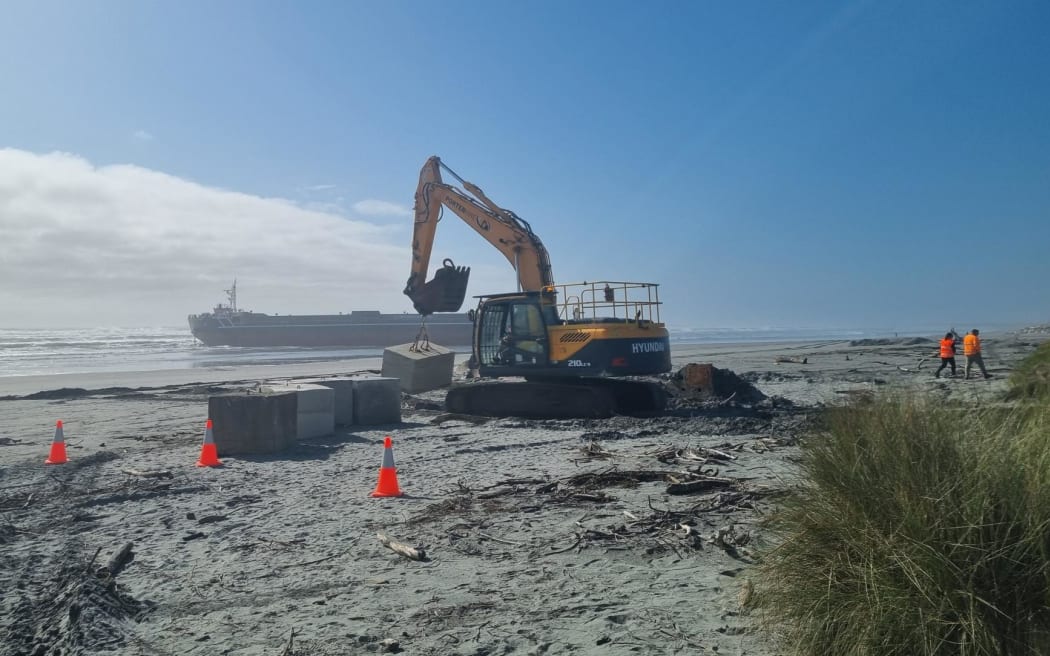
(120, 560)
(788, 358)
(92, 561)
(288, 651)
(455, 416)
(412, 553)
(702, 485)
(148, 474)
(718, 455)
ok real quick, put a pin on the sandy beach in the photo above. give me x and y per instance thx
(542, 537)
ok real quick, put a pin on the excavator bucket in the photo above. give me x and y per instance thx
(445, 293)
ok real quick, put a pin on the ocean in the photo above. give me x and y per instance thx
(80, 351)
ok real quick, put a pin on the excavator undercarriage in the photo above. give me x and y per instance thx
(593, 398)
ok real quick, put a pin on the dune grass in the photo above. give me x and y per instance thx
(1031, 378)
(917, 530)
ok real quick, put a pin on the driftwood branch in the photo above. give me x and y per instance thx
(702, 485)
(148, 474)
(719, 455)
(579, 539)
(120, 560)
(92, 561)
(288, 647)
(412, 553)
(455, 416)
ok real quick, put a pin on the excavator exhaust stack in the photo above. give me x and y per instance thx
(445, 293)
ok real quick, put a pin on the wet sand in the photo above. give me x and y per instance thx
(541, 536)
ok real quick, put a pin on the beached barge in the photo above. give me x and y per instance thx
(226, 325)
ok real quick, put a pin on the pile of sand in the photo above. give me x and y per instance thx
(891, 341)
(725, 385)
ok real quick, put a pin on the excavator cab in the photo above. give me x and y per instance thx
(445, 293)
(512, 333)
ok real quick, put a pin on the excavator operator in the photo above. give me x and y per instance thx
(522, 340)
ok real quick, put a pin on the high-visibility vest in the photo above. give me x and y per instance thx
(948, 348)
(971, 345)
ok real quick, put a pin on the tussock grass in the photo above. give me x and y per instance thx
(1031, 378)
(918, 530)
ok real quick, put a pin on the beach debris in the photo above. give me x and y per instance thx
(696, 379)
(162, 473)
(728, 539)
(704, 383)
(456, 416)
(595, 451)
(698, 485)
(209, 453)
(891, 341)
(58, 447)
(73, 610)
(288, 651)
(783, 359)
(387, 486)
(412, 553)
(119, 560)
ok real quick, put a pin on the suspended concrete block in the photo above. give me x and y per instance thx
(248, 423)
(377, 400)
(316, 407)
(419, 370)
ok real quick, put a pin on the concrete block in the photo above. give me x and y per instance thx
(697, 379)
(419, 371)
(376, 400)
(316, 407)
(344, 397)
(254, 423)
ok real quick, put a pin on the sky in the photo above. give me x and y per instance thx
(834, 165)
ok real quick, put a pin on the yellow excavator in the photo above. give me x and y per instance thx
(575, 345)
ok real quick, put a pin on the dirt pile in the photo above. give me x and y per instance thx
(891, 341)
(697, 382)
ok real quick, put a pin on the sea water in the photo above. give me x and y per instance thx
(89, 350)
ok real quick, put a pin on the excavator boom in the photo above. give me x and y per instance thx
(505, 230)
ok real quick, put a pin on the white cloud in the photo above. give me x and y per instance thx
(381, 208)
(85, 245)
(142, 135)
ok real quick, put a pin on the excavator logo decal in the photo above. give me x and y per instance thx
(460, 208)
(648, 347)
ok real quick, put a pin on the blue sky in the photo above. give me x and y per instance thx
(820, 164)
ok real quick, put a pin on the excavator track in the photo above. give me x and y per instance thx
(589, 398)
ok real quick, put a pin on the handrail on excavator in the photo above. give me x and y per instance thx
(589, 300)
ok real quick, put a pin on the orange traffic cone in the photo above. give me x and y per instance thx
(209, 454)
(387, 485)
(58, 447)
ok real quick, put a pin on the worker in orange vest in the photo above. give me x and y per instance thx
(972, 351)
(947, 353)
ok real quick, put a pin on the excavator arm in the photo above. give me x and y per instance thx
(509, 233)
